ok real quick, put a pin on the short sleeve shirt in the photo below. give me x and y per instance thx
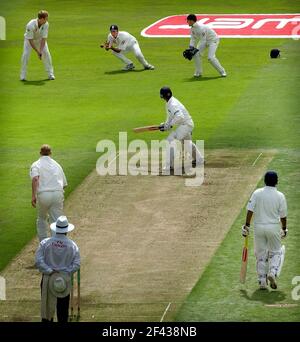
(50, 173)
(268, 205)
(33, 31)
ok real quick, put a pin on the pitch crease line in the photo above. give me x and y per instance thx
(164, 314)
(257, 159)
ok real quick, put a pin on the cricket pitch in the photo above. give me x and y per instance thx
(144, 240)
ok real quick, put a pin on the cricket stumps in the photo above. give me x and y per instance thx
(75, 301)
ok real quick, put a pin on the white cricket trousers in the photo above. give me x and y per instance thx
(135, 48)
(46, 58)
(212, 48)
(48, 203)
(267, 246)
(183, 133)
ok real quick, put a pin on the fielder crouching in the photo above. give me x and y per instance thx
(124, 42)
(270, 209)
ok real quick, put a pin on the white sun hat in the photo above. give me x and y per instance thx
(62, 225)
(60, 284)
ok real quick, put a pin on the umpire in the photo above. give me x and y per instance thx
(57, 258)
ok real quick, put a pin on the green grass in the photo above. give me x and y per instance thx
(90, 100)
(267, 113)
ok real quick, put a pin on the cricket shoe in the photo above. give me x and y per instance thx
(129, 67)
(263, 284)
(272, 280)
(149, 67)
(51, 77)
(197, 74)
(224, 74)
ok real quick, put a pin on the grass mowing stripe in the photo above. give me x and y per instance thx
(267, 114)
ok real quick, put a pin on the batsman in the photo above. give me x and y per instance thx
(269, 208)
(177, 115)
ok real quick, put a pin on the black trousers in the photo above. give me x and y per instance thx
(62, 308)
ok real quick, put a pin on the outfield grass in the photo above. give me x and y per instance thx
(256, 106)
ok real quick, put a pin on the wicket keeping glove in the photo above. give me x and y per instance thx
(245, 230)
(190, 53)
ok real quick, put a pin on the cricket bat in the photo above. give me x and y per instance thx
(146, 128)
(244, 261)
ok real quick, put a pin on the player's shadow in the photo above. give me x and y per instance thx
(264, 296)
(201, 79)
(125, 72)
(36, 83)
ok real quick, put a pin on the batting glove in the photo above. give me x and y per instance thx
(162, 127)
(283, 233)
(245, 230)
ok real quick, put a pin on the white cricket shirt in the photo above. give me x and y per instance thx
(33, 31)
(123, 40)
(268, 205)
(202, 32)
(177, 114)
(57, 253)
(51, 174)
